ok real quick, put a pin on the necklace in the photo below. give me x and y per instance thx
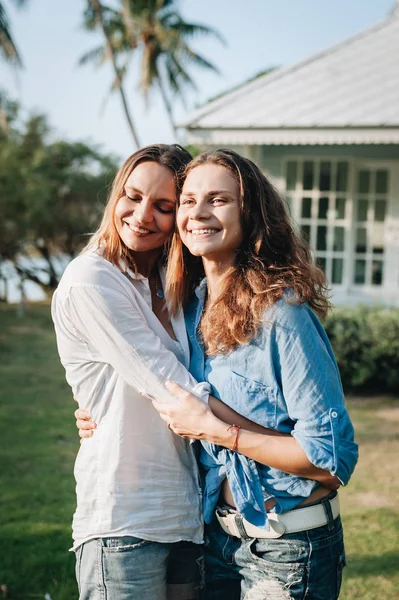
(158, 287)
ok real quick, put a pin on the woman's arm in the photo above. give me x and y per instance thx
(86, 425)
(227, 415)
(213, 424)
(249, 446)
(116, 332)
(192, 419)
(322, 443)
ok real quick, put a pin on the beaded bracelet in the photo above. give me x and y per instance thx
(237, 430)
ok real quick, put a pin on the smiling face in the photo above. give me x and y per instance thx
(145, 215)
(208, 217)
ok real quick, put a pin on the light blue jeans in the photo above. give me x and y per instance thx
(127, 568)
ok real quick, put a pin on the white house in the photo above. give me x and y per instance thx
(327, 131)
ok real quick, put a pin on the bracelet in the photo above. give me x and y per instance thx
(237, 430)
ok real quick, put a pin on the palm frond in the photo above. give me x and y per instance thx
(7, 45)
(189, 55)
(178, 77)
(175, 87)
(90, 18)
(96, 56)
(190, 30)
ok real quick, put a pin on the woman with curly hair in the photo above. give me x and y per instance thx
(273, 526)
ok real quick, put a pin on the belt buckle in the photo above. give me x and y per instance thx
(277, 529)
(222, 512)
(227, 522)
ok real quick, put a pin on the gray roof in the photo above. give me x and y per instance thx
(354, 84)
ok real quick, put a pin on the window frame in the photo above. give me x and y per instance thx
(350, 223)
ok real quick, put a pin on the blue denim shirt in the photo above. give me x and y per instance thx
(286, 379)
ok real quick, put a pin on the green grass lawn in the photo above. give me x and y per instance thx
(39, 443)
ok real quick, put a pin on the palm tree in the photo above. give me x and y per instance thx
(156, 29)
(7, 44)
(162, 35)
(10, 53)
(104, 17)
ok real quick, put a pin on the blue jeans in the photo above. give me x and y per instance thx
(126, 568)
(305, 565)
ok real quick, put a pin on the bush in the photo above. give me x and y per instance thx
(366, 346)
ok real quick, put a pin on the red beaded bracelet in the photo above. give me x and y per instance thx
(237, 430)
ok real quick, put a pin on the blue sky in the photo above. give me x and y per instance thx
(259, 34)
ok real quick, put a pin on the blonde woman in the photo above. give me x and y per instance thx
(138, 521)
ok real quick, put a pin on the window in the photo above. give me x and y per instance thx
(317, 191)
(341, 211)
(371, 207)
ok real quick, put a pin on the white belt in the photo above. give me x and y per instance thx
(292, 521)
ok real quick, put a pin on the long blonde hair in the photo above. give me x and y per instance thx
(173, 157)
(271, 259)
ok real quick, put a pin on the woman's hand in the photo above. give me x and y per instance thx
(190, 417)
(84, 423)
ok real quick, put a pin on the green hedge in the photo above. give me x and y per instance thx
(366, 346)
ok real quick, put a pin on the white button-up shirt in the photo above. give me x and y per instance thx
(134, 476)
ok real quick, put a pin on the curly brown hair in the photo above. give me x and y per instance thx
(271, 259)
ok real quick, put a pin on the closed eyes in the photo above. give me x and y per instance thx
(162, 206)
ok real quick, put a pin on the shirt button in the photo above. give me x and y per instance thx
(334, 414)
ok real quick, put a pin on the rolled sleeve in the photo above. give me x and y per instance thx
(325, 446)
(313, 393)
(117, 333)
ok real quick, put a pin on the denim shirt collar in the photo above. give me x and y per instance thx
(202, 290)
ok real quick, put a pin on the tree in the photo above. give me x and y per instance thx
(10, 53)
(156, 30)
(163, 38)
(99, 15)
(51, 195)
(12, 231)
(7, 44)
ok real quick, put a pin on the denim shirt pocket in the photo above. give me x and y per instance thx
(252, 399)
